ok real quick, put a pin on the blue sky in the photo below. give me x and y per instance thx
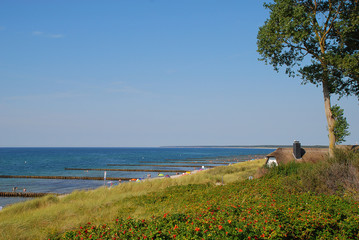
(148, 73)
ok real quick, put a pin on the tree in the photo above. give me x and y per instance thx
(341, 125)
(318, 41)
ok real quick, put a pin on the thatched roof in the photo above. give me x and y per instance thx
(285, 155)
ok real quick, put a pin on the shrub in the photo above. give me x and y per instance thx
(287, 203)
(255, 209)
(288, 169)
(337, 175)
(345, 157)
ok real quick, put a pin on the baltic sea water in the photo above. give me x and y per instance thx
(53, 161)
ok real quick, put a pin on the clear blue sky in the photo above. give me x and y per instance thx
(148, 73)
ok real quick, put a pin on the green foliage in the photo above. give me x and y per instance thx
(341, 125)
(346, 157)
(337, 175)
(253, 209)
(291, 201)
(315, 39)
(288, 169)
(47, 217)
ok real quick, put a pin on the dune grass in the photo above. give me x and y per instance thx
(51, 215)
(291, 201)
(263, 208)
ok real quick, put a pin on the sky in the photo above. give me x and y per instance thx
(148, 73)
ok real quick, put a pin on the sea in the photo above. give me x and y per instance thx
(91, 162)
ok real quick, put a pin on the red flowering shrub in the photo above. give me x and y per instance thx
(253, 209)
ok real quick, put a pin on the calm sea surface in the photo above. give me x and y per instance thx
(53, 161)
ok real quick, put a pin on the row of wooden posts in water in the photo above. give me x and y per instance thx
(158, 165)
(151, 165)
(25, 194)
(65, 177)
(102, 169)
(125, 170)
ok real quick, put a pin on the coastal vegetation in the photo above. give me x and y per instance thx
(292, 201)
(46, 217)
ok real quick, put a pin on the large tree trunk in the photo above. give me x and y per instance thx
(330, 119)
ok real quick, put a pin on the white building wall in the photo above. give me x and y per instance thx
(272, 162)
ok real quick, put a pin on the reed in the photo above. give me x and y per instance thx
(52, 215)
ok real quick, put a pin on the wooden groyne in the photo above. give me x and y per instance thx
(148, 165)
(201, 163)
(189, 160)
(205, 159)
(221, 159)
(65, 177)
(25, 194)
(124, 170)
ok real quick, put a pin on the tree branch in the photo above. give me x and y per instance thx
(329, 14)
(305, 48)
(332, 22)
(315, 25)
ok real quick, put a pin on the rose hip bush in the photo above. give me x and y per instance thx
(256, 209)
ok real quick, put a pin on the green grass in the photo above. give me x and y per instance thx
(293, 201)
(338, 175)
(51, 215)
(271, 207)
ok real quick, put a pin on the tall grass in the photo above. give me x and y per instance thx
(338, 175)
(51, 215)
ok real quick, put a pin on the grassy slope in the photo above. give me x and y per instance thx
(276, 206)
(41, 218)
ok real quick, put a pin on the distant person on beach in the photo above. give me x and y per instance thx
(24, 190)
(119, 181)
(14, 189)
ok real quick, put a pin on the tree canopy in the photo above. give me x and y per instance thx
(316, 40)
(327, 32)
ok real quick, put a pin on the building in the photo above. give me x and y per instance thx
(285, 155)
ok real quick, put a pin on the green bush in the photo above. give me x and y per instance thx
(46, 217)
(253, 209)
(345, 157)
(338, 175)
(292, 201)
(288, 169)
